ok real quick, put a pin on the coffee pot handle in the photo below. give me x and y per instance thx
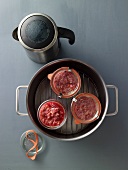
(66, 33)
(14, 34)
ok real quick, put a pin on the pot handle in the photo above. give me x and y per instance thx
(66, 33)
(17, 100)
(116, 94)
(14, 34)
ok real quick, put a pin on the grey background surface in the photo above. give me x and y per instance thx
(101, 29)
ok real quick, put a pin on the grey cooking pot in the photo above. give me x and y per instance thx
(39, 90)
(39, 36)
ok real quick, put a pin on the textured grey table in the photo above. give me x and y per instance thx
(101, 29)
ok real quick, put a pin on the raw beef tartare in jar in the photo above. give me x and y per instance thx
(85, 108)
(51, 114)
(65, 82)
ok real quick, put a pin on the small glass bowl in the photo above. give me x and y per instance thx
(53, 114)
(85, 108)
(26, 144)
(70, 87)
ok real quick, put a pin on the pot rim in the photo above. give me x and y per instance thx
(41, 49)
(106, 96)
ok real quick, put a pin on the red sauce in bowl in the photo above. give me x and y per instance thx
(65, 82)
(51, 114)
(86, 108)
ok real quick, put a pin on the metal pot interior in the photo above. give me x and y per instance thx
(39, 90)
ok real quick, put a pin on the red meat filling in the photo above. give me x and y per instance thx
(51, 114)
(65, 82)
(85, 108)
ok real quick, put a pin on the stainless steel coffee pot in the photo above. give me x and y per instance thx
(39, 36)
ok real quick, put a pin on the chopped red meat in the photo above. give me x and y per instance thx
(51, 114)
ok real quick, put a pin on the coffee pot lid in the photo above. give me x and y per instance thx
(37, 31)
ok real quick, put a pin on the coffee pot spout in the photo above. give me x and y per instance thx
(15, 34)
